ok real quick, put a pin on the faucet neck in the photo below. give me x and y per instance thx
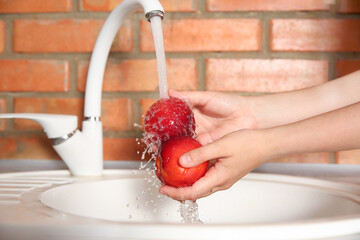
(102, 47)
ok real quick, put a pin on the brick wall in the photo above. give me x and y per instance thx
(254, 47)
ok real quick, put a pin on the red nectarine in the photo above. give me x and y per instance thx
(168, 168)
(167, 118)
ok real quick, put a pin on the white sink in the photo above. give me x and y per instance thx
(123, 205)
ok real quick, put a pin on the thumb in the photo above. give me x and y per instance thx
(200, 155)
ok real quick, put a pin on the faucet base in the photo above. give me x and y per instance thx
(83, 152)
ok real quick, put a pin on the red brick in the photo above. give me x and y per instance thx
(2, 110)
(305, 158)
(2, 36)
(30, 6)
(337, 35)
(263, 75)
(266, 5)
(348, 6)
(27, 148)
(141, 75)
(179, 5)
(189, 35)
(71, 106)
(344, 67)
(122, 149)
(117, 113)
(65, 35)
(348, 157)
(34, 75)
(168, 5)
(145, 105)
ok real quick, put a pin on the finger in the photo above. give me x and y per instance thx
(202, 154)
(205, 186)
(204, 138)
(196, 98)
(174, 93)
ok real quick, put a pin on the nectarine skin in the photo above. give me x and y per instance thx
(167, 118)
(169, 170)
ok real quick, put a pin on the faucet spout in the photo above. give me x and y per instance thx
(154, 13)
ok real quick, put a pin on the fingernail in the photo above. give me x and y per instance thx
(185, 161)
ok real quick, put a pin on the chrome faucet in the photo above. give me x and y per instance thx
(82, 151)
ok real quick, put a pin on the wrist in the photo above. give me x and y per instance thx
(259, 109)
(276, 143)
(263, 143)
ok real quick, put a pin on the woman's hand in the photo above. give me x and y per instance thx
(217, 114)
(236, 154)
(239, 152)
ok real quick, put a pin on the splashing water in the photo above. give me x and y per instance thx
(188, 209)
(149, 200)
(160, 55)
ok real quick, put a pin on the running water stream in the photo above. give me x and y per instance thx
(160, 55)
(188, 209)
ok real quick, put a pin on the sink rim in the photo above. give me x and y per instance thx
(211, 229)
(346, 191)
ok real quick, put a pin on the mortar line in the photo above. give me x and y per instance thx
(136, 113)
(332, 67)
(8, 37)
(201, 7)
(73, 77)
(136, 35)
(265, 36)
(150, 55)
(201, 73)
(122, 134)
(251, 55)
(332, 158)
(9, 123)
(76, 6)
(23, 133)
(201, 13)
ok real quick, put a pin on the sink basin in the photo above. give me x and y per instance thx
(123, 205)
